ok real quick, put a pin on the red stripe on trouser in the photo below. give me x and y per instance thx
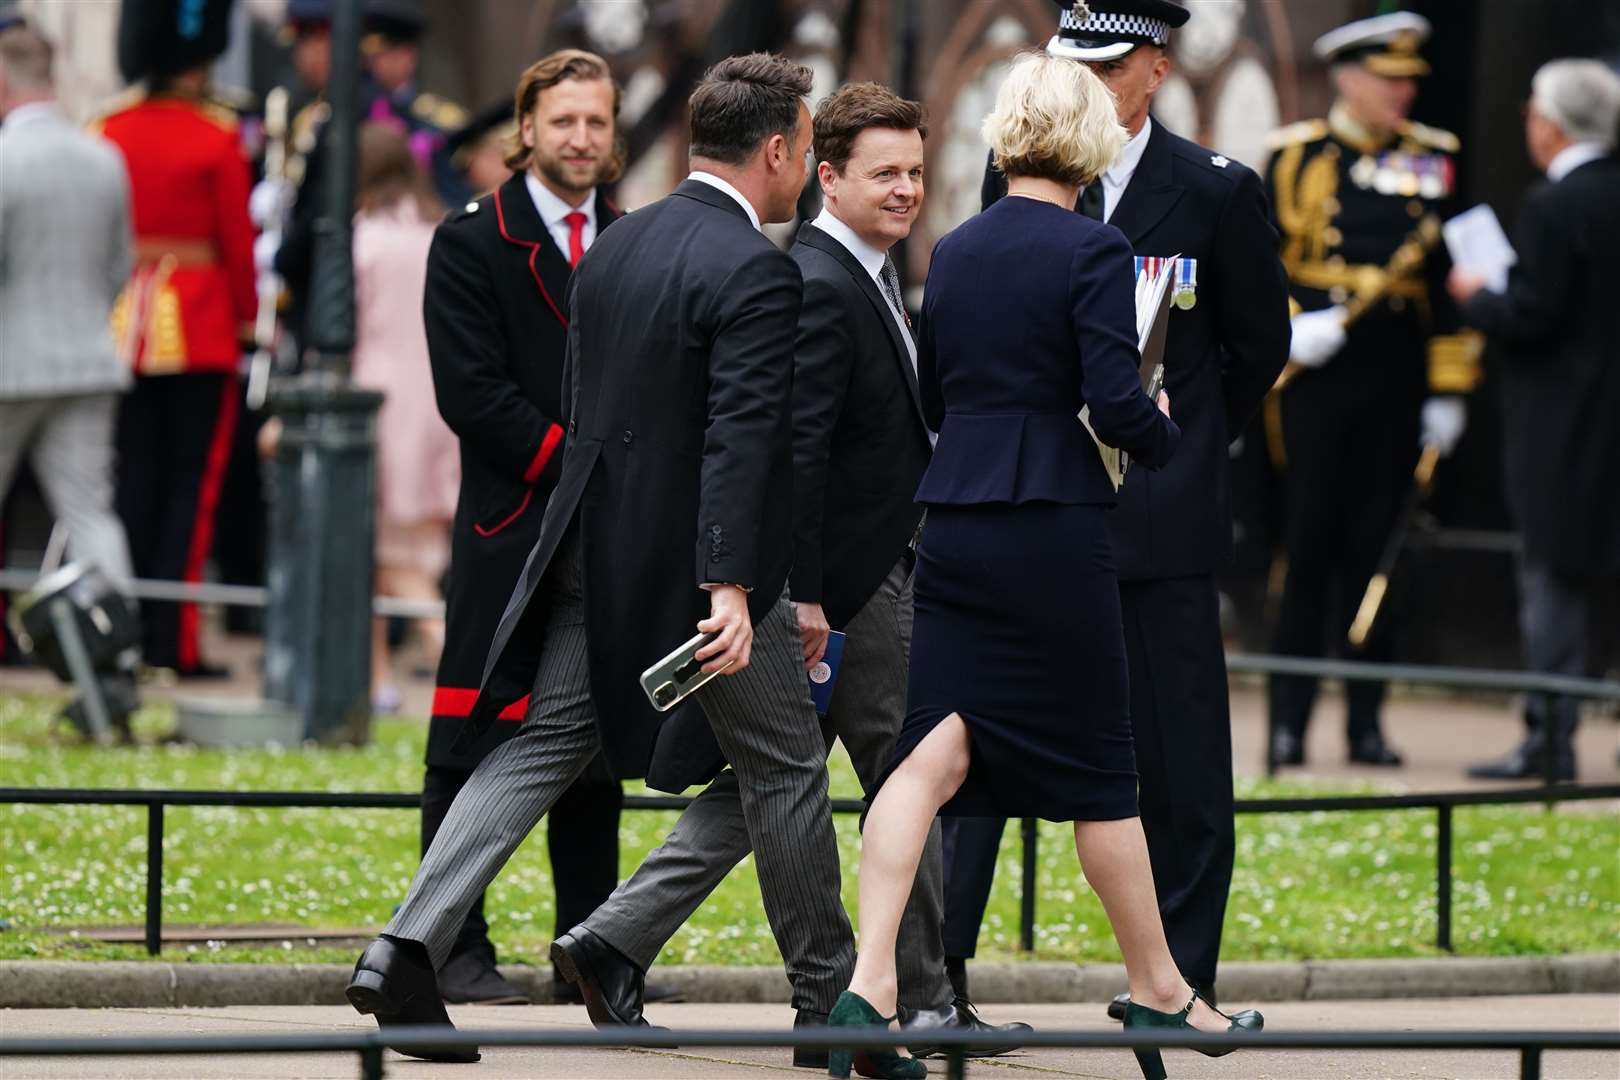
(457, 703)
(202, 525)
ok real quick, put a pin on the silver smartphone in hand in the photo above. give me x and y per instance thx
(669, 681)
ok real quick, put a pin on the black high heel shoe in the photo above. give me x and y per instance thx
(1152, 1061)
(852, 1010)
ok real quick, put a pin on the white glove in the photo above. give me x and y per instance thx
(269, 198)
(1318, 335)
(1444, 421)
(265, 246)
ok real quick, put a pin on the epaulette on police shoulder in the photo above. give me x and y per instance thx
(1432, 137)
(1300, 132)
(442, 114)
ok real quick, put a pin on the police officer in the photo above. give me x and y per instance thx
(188, 308)
(1380, 364)
(1172, 529)
(392, 49)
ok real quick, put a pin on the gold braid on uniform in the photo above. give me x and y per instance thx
(1454, 362)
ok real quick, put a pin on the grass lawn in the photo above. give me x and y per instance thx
(1306, 886)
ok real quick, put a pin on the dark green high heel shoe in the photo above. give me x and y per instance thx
(852, 1010)
(1151, 1061)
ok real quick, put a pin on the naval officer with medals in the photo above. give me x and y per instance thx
(1381, 365)
(1172, 529)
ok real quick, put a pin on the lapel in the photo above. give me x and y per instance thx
(520, 225)
(1151, 193)
(810, 236)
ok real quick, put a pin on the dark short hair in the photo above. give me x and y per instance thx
(744, 100)
(543, 74)
(850, 110)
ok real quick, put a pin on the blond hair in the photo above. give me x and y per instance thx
(1053, 120)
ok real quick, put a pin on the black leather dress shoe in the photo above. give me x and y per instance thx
(1373, 750)
(1525, 764)
(564, 992)
(959, 1015)
(394, 982)
(1287, 748)
(470, 978)
(611, 986)
(809, 1057)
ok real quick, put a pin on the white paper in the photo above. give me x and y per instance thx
(1478, 245)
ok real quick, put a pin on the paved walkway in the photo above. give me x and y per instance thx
(1569, 1012)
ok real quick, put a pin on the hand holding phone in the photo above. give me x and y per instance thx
(729, 621)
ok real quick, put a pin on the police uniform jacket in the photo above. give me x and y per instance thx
(678, 467)
(496, 337)
(1221, 355)
(192, 299)
(1558, 331)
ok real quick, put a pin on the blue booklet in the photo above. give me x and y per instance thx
(825, 674)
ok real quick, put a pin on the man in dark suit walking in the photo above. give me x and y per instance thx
(860, 445)
(674, 503)
(497, 276)
(1558, 330)
(1172, 529)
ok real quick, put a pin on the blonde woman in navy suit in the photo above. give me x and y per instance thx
(1019, 702)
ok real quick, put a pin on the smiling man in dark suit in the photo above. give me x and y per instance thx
(1172, 529)
(673, 511)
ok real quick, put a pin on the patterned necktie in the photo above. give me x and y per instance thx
(576, 237)
(1091, 200)
(889, 277)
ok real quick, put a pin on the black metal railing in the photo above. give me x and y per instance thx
(369, 1045)
(1444, 803)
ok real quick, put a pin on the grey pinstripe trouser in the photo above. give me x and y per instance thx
(868, 706)
(765, 724)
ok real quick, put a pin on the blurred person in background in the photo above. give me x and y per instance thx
(478, 148)
(418, 461)
(1358, 198)
(185, 315)
(1558, 331)
(65, 252)
(392, 49)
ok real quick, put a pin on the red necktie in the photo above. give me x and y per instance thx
(576, 237)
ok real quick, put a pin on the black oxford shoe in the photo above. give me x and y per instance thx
(1286, 749)
(1373, 750)
(611, 986)
(959, 1015)
(470, 978)
(1525, 764)
(399, 989)
(809, 1057)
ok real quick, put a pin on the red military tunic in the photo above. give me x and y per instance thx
(192, 298)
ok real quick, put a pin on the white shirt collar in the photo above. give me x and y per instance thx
(716, 182)
(1124, 166)
(552, 207)
(37, 110)
(870, 258)
(1573, 157)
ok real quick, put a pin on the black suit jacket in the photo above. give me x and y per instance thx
(677, 470)
(859, 440)
(1220, 357)
(496, 337)
(1557, 332)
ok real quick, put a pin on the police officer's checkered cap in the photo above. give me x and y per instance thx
(1109, 24)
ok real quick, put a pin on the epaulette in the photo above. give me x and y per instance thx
(122, 101)
(442, 114)
(1301, 132)
(1432, 137)
(222, 116)
(234, 98)
(463, 213)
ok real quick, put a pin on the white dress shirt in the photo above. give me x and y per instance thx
(1124, 167)
(716, 182)
(1573, 157)
(871, 260)
(553, 209)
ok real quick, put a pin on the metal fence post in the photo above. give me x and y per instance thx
(371, 1063)
(154, 878)
(1442, 878)
(1026, 905)
(1530, 1063)
(956, 1063)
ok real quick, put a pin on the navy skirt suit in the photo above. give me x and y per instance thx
(1028, 315)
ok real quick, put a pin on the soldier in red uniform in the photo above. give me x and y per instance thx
(188, 307)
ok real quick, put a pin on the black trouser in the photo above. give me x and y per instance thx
(174, 442)
(1181, 725)
(1555, 611)
(1349, 469)
(240, 547)
(582, 837)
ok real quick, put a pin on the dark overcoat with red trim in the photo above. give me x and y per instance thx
(496, 336)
